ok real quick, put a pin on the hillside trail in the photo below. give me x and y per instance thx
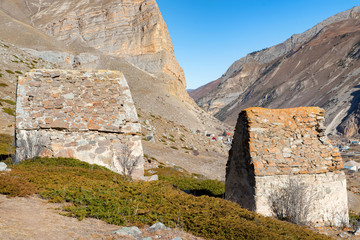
(33, 218)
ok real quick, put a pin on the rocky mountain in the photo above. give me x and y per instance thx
(319, 67)
(124, 35)
(125, 28)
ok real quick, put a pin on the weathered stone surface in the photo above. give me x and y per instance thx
(3, 166)
(134, 29)
(271, 145)
(129, 231)
(77, 114)
(157, 226)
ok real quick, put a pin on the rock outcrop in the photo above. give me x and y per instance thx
(123, 28)
(85, 115)
(274, 148)
(316, 68)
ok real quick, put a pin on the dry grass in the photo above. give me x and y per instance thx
(96, 192)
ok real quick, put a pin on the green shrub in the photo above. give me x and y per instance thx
(3, 84)
(6, 142)
(9, 111)
(8, 101)
(18, 72)
(96, 192)
(9, 71)
(13, 186)
(204, 187)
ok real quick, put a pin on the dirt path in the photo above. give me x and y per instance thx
(34, 219)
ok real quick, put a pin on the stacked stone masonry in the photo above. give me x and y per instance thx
(272, 146)
(85, 115)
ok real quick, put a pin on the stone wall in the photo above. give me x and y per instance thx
(85, 115)
(272, 146)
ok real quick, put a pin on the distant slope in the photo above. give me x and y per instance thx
(317, 68)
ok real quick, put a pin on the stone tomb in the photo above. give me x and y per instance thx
(88, 115)
(273, 147)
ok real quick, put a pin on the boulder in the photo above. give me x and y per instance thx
(3, 166)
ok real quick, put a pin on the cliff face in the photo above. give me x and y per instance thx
(133, 29)
(128, 36)
(316, 68)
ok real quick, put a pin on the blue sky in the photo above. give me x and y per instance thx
(209, 35)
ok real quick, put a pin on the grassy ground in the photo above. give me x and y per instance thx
(96, 192)
(6, 147)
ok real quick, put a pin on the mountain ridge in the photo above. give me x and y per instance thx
(287, 75)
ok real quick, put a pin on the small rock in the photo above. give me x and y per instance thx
(150, 137)
(129, 231)
(344, 235)
(177, 238)
(154, 178)
(3, 166)
(157, 226)
(357, 232)
(147, 238)
(149, 178)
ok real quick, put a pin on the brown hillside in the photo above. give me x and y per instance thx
(316, 68)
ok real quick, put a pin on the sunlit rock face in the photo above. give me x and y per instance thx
(134, 29)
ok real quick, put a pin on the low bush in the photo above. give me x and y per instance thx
(8, 101)
(99, 193)
(196, 186)
(6, 142)
(13, 186)
(9, 111)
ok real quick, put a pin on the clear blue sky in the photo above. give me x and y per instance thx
(209, 35)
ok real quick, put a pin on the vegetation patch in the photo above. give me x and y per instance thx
(6, 142)
(13, 186)
(9, 111)
(9, 71)
(96, 192)
(8, 101)
(18, 72)
(3, 84)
